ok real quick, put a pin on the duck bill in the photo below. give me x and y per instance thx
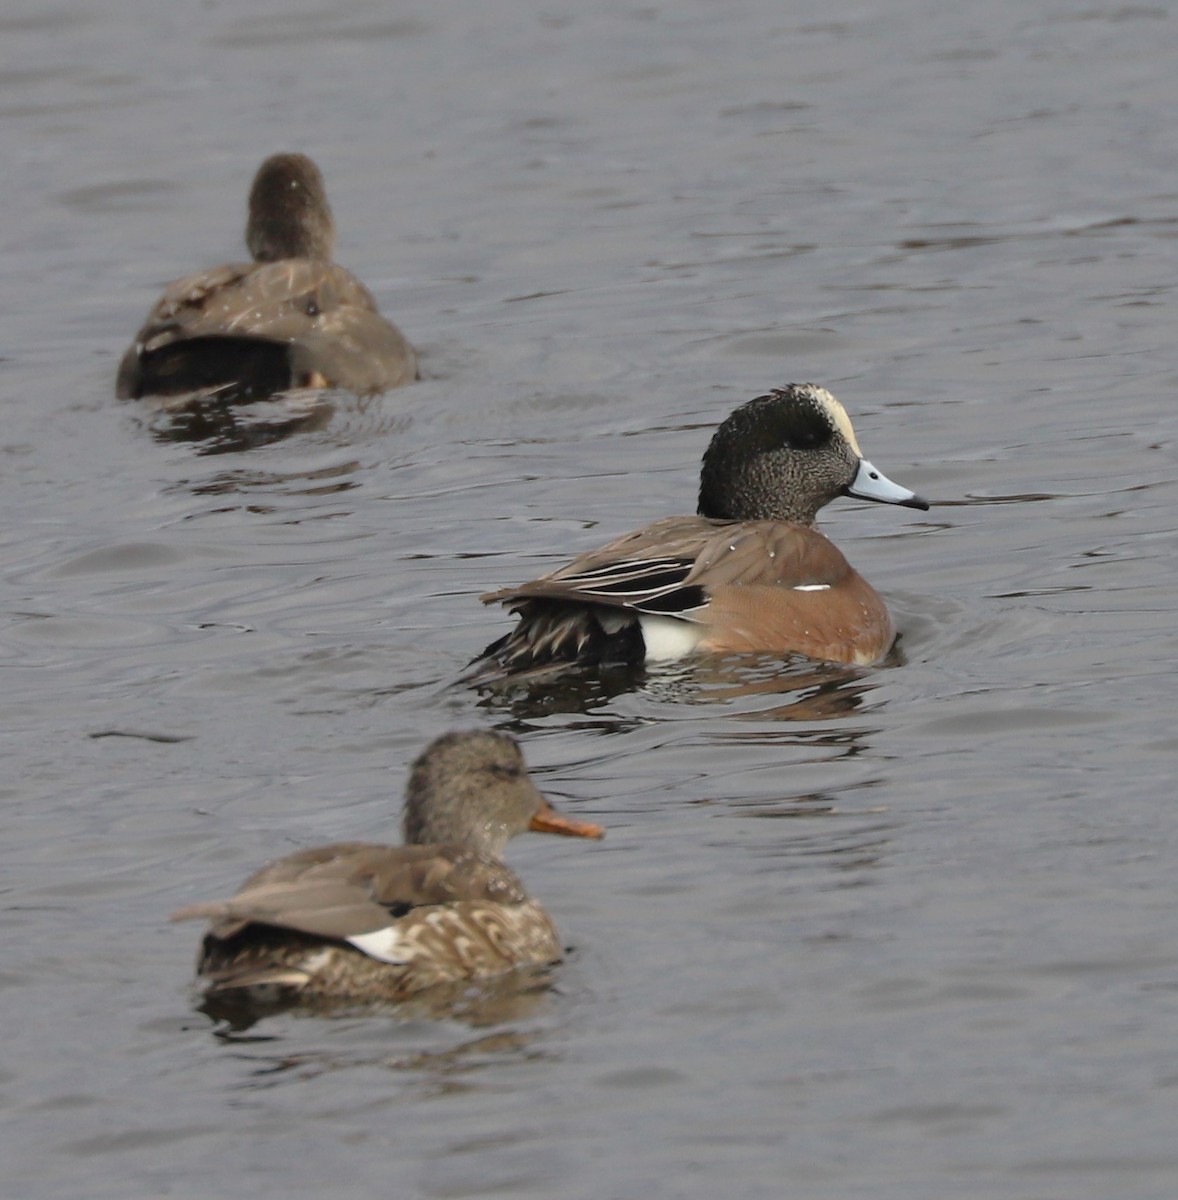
(872, 484)
(548, 820)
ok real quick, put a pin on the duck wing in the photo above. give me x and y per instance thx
(673, 566)
(323, 318)
(352, 888)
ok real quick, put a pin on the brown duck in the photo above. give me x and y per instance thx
(749, 572)
(292, 318)
(369, 923)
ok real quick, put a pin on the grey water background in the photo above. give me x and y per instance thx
(903, 933)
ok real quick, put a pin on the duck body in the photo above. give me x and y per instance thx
(748, 572)
(372, 922)
(292, 318)
(367, 923)
(690, 584)
(253, 329)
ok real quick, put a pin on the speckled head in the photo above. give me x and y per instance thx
(289, 216)
(785, 455)
(472, 788)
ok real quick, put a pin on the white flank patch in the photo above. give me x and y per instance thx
(811, 587)
(381, 944)
(668, 637)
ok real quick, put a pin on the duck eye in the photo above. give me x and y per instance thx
(807, 439)
(505, 770)
(803, 434)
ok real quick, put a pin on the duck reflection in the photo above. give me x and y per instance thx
(803, 691)
(444, 1071)
(799, 689)
(482, 1003)
(222, 425)
(571, 690)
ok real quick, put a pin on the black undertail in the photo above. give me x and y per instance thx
(551, 633)
(239, 368)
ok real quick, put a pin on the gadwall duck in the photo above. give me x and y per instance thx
(290, 319)
(748, 573)
(369, 923)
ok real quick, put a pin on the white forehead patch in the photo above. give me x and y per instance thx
(838, 417)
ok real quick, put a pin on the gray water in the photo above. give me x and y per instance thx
(904, 933)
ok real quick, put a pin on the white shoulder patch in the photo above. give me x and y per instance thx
(381, 944)
(811, 587)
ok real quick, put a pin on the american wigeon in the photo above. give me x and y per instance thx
(370, 923)
(748, 573)
(291, 318)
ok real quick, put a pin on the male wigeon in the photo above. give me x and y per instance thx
(749, 572)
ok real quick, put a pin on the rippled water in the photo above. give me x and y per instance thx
(904, 933)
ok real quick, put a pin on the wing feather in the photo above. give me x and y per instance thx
(354, 888)
(684, 559)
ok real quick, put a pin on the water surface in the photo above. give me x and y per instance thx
(905, 933)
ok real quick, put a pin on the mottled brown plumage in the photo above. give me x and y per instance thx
(292, 318)
(748, 573)
(366, 923)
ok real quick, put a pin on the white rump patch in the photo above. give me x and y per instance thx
(811, 587)
(668, 637)
(381, 944)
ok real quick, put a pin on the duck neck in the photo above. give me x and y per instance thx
(289, 216)
(276, 236)
(754, 493)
